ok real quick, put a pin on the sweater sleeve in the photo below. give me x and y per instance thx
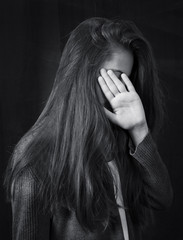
(154, 173)
(27, 222)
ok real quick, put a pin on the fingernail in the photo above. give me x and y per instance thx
(101, 70)
(99, 78)
(109, 71)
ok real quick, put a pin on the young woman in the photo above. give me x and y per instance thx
(89, 168)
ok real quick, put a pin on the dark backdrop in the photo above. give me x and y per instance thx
(32, 35)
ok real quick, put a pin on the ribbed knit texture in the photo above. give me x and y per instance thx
(155, 173)
(30, 224)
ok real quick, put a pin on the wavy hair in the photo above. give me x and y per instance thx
(72, 140)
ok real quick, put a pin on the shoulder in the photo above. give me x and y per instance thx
(30, 169)
(21, 160)
(21, 146)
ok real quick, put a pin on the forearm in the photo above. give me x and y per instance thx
(138, 133)
(154, 173)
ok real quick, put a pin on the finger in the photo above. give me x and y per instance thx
(111, 116)
(111, 85)
(128, 83)
(105, 89)
(118, 83)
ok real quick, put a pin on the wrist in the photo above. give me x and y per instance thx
(138, 133)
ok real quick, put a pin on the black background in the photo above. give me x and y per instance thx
(32, 36)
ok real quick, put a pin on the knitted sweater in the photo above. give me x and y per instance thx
(31, 224)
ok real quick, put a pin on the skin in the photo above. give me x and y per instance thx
(128, 111)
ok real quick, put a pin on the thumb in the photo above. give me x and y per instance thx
(110, 115)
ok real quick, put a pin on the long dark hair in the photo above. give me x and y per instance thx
(72, 140)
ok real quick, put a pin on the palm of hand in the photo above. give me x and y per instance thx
(128, 111)
(128, 108)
